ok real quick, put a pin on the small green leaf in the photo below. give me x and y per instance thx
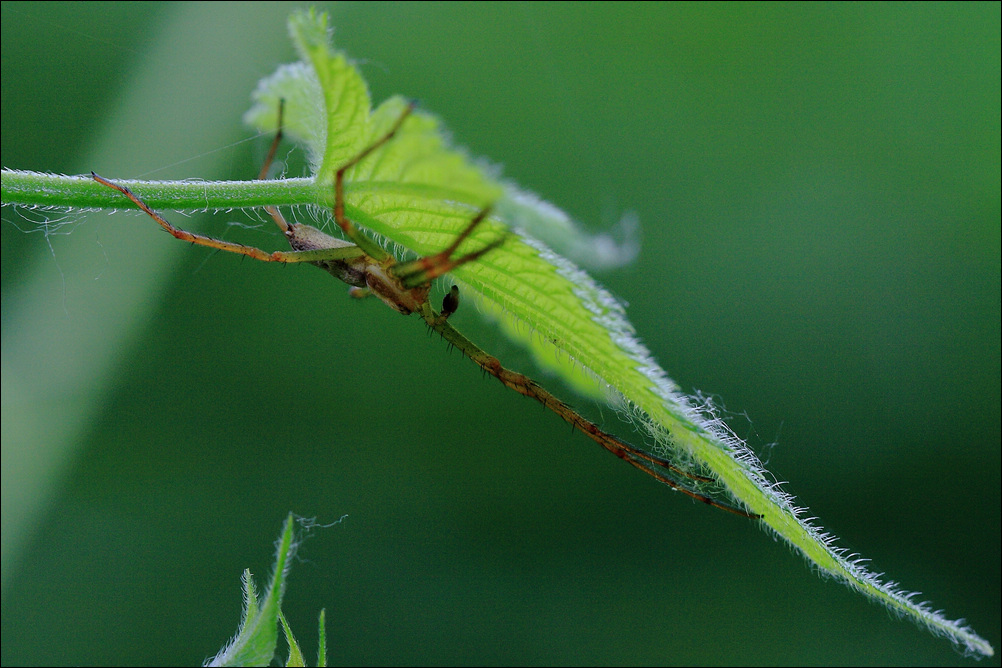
(322, 645)
(295, 653)
(254, 644)
(252, 607)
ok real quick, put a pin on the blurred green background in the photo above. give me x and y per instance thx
(818, 188)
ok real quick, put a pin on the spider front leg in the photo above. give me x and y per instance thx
(404, 286)
(425, 269)
(309, 244)
(347, 251)
(657, 467)
(371, 248)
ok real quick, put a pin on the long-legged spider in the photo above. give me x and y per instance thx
(404, 287)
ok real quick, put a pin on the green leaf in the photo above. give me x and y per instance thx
(254, 644)
(295, 653)
(541, 220)
(322, 643)
(419, 194)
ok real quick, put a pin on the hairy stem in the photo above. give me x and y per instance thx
(82, 192)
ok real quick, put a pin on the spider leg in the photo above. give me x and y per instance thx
(273, 149)
(424, 269)
(371, 248)
(525, 386)
(275, 214)
(314, 255)
(410, 274)
(344, 263)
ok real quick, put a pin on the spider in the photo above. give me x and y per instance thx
(404, 286)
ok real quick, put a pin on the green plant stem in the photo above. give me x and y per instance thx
(82, 192)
